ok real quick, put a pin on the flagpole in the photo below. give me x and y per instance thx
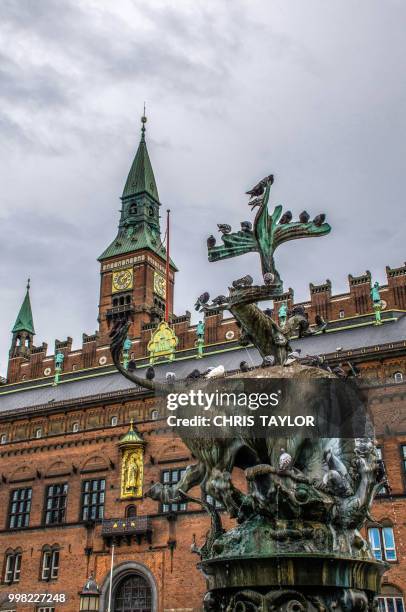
(167, 268)
(109, 609)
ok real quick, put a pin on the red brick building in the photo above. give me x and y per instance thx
(67, 492)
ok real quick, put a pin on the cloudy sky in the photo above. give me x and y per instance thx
(312, 91)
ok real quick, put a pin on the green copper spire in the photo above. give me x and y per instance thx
(139, 226)
(24, 321)
(141, 176)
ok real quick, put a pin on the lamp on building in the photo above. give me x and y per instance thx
(89, 595)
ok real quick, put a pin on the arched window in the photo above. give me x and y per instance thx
(155, 415)
(398, 377)
(3, 439)
(12, 566)
(391, 599)
(133, 593)
(38, 432)
(114, 421)
(341, 314)
(151, 211)
(133, 209)
(115, 302)
(50, 563)
(382, 542)
(131, 512)
(18, 341)
(75, 427)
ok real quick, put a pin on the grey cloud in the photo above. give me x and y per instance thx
(313, 92)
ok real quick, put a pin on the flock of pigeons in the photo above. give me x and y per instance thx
(256, 194)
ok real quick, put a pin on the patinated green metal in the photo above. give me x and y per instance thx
(59, 359)
(24, 320)
(265, 237)
(376, 302)
(297, 544)
(199, 344)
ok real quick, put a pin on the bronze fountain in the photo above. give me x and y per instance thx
(297, 544)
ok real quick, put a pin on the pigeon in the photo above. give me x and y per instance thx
(224, 228)
(268, 312)
(259, 188)
(292, 357)
(319, 220)
(220, 299)
(339, 372)
(285, 460)
(304, 217)
(215, 372)
(201, 300)
(245, 281)
(150, 373)
(286, 218)
(211, 242)
(268, 361)
(131, 365)
(244, 367)
(170, 378)
(254, 202)
(269, 278)
(246, 226)
(194, 374)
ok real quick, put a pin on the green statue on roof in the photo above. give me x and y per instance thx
(376, 302)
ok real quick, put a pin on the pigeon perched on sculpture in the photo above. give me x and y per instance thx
(224, 228)
(259, 188)
(304, 217)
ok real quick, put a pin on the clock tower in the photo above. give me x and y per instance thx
(133, 282)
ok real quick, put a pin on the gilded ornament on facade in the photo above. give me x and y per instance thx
(132, 472)
(163, 343)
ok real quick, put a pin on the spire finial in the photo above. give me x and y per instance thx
(131, 424)
(28, 284)
(143, 121)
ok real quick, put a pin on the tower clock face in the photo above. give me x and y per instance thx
(159, 284)
(122, 280)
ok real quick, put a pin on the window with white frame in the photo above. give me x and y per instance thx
(38, 432)
(3, 438)
(171, 477)
(382, 542)
(75, 427)
(155, 415)
(12, 568)
(390, 599)
(341, 314)
(214, 502)
(114, 421)
(50, 564)
(398, 377)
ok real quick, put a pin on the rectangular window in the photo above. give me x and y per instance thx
(382, 541)
(13, 568)
(172, 477)
(20, 508)
(55, 503)
(391, 604)
(50, 565)
(375, 541)
(404, 458)
(389, 543)
(93, 495)
(46, 609)
(214, 502)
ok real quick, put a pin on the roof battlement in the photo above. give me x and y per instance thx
(343, 310)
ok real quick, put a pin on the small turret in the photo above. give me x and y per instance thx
(23, 330)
